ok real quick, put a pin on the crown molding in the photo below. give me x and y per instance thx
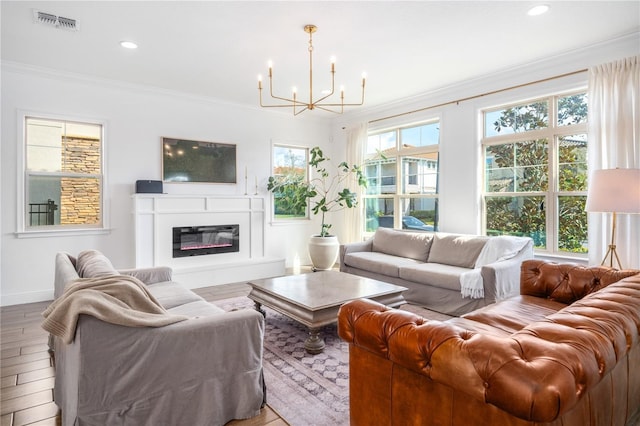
(66, 76)
(565, 62)
(27, 69)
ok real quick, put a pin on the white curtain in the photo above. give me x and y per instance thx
(614, 141)
(354, 218)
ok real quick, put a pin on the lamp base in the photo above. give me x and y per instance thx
(611, 253)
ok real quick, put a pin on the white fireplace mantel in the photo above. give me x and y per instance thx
(157, 214)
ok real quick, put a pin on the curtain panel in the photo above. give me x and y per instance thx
(354, 218)
(614, 141)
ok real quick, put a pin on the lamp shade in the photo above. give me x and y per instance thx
(614, 190)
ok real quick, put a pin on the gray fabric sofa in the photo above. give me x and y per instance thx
(206, 370)
(449, 273)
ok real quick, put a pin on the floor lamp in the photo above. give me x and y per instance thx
(615, 191)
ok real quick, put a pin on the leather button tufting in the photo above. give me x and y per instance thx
(486, 385)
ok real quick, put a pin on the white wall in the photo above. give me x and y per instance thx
(136, 120)
(460, 129)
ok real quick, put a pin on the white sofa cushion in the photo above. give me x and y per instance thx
(412, 245)
(199, 308)
(379, 263)
(170, 294)
(456, 250)
(434, 274)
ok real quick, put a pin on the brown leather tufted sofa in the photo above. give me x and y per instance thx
(566, 351)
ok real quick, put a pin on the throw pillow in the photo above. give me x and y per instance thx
(93, 264)
(412, 245)
(456, 250)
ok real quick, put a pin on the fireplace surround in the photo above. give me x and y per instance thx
(156, 215)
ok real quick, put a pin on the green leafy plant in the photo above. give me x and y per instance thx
(324, 192)
(526, 214)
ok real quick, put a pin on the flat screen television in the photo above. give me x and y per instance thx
(198, 162)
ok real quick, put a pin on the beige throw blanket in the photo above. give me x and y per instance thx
(116, 299)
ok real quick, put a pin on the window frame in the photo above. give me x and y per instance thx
(289, 220)
(23, 229)
(552, 134)
(398, 154)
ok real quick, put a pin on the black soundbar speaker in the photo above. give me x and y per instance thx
(148, 187)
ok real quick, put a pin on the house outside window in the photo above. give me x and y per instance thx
(535, 172)
(401, 168)
(63, 186)
(290, 168)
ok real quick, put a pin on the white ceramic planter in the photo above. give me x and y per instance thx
(323, 252)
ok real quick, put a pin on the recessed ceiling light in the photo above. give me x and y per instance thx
(538, 10)
(128, 44)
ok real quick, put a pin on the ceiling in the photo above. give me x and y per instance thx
(217, 49)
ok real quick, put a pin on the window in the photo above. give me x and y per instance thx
(290, 168)
(401, 167)
(535, 172)
(63, 175)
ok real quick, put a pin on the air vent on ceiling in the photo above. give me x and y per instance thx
(55, 21)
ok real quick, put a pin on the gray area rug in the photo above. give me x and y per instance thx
(307, 390)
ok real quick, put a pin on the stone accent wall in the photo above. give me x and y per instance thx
(80, 197)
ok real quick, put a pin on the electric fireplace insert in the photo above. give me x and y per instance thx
(203, 240)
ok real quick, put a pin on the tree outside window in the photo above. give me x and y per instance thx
(290, 169)
(535, 172)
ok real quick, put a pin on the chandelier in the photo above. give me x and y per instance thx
(323, 102)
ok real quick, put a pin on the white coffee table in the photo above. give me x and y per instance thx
(314, 299)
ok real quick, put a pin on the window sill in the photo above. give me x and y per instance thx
(62, 233)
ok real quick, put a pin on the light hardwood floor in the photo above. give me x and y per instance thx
(27, 373)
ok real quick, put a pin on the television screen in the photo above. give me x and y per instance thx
(194, 161)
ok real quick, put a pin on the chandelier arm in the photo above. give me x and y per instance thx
(337, 105)
(324, 108)
(346, 104)
(277, 106)
(333, 72)
(273, 106)
(298, 112)
(294, 103)
(319, 101)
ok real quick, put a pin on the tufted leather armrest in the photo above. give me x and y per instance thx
(567, 282)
